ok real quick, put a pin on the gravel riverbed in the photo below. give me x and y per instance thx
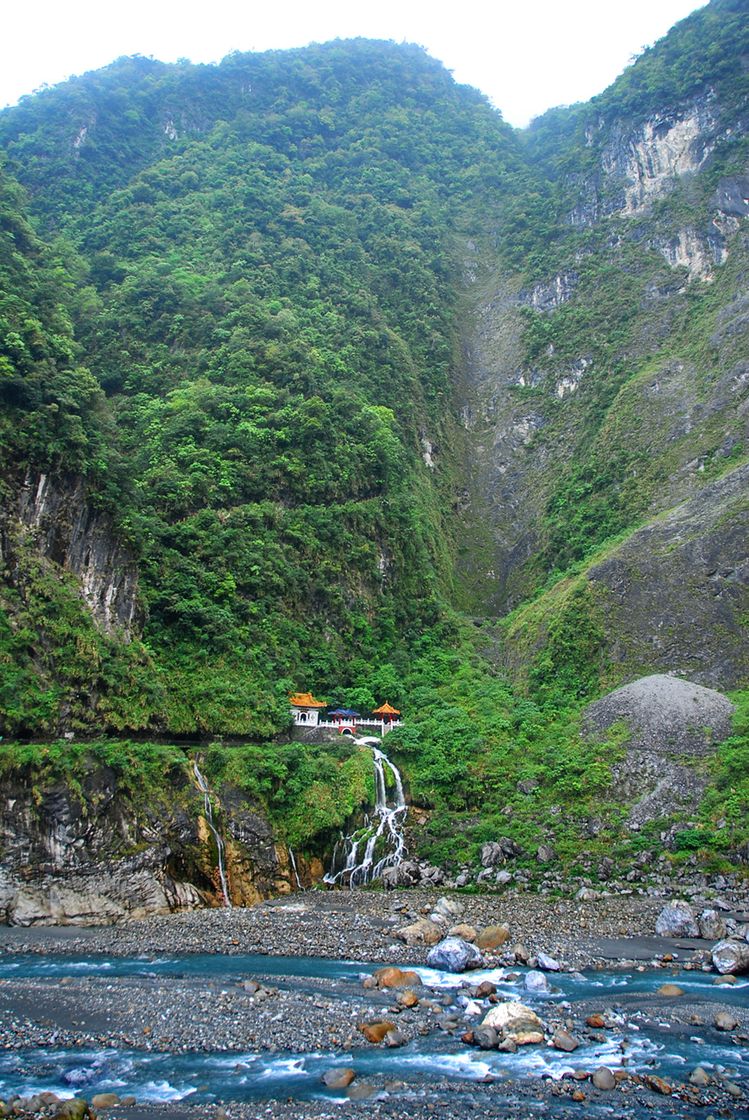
(360, 926)
(239, 1013)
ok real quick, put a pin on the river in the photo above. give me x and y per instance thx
(653, 1043)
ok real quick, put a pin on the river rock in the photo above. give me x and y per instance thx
(670, 990)
(453, 954)
(712, 925)
(105, 1100)
(395, 1038)
(657, 1084)
(492, 937)
(547, 963)
(536, 982)
(446, 911)
(725, 1021)
(513, 1018)
(677, 920)
(468, 933)
(421, 932)
(377, 1029)
(699, 1078)
(76, 1108)
(563, 1040)
(393, 977)
(603, 1078)
(731, 956)
(486, 1038)
(361, 1091)
(338, 1078)
(587, 894)
(407, 998)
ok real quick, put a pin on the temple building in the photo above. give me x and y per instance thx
(387, 713)
(305, 710)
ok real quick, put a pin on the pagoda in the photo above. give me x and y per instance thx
(387, 714)
(305, 710)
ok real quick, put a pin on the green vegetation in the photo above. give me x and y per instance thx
(231, 314)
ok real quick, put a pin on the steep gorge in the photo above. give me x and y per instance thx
(308, 358)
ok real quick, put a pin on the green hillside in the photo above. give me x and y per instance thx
(316, 374)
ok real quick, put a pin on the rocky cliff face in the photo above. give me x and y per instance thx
(590, 413)
(675, 595)
(56, 517)
(75, 854)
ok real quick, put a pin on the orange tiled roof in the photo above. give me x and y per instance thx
(305, 700)
(385, 710)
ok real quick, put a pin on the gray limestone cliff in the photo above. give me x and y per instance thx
(83, 851)
(55, 516)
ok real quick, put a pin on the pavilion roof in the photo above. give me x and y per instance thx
(385, 710)
(305, 700)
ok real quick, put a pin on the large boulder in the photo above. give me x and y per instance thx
(712, 925)
(514, 1019)
(492, 937)
(677, 920)
(669, 723)
(421, 932)
(731, 956)
(393, 977)
(454, 955)
(536, 981)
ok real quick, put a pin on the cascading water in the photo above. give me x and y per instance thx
(292, 861)
(355, 856)
(218, 839)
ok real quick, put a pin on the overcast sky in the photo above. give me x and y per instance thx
(526, 55)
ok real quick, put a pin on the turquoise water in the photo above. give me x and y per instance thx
(202, 1077)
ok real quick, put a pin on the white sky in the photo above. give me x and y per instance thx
(526, 55)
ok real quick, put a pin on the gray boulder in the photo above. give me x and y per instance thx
(677, 920)
(712, 925)
(731, 956)
(535, 981)
(453, 954)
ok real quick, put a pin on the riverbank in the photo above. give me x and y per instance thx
(363, 925)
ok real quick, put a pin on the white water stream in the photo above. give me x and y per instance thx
(357, 852)
(218, 839)
(292, 861)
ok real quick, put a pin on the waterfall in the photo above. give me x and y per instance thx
(292, 860)
(208, 807)
(382, 834)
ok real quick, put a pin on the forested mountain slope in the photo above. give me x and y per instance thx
(316, 374)
(266, 297)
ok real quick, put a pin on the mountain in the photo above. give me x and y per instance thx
(316, 374)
